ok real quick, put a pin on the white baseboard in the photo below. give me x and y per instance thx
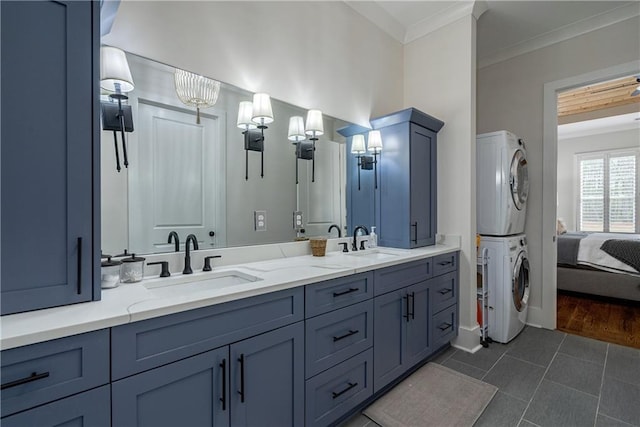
(468, 339)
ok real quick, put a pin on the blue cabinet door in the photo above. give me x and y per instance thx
(418, 326)
(89, 409)
(267, 379)
(191, 392)
(423, 211)
(389, 337)
(49, 148)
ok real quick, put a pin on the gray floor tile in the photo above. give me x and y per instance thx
(623, 363)
(444, 355)
(536, 345)
(604, 421)
(576, 373)
(358, 420)
(472, 371)
(525, 423)
(620, 400)
(584, 348)
(557, 405)
(484, 358)
(503, 410)
(515, 377)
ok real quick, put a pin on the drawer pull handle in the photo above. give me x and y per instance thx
(223, 399)
(241, 391)
(445, 326)
(348, 291)
(348, 334)
(445, 291)
(349, 387)
(30, 378)
(443, 263)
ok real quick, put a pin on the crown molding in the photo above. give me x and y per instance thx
(564, 33)
(441, 19)
(378, 16)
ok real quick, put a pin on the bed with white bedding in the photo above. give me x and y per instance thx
(603, 264)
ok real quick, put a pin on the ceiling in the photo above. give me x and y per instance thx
(505, 28)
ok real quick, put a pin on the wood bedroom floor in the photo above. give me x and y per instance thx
(603, 320)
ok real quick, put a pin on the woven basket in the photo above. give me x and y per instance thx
(318, 246)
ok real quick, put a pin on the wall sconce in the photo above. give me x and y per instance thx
(252, 115)
(367, 162)
(115, 76)
(195, 90)
(314, 128)
(297, 135)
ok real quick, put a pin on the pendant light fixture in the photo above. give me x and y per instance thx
(195, 90)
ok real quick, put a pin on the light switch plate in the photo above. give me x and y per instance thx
(260, 220)
(297, 220)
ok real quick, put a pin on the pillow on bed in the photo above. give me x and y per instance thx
(561, 228)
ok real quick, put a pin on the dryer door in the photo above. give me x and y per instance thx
(520, 284)
(519, 179)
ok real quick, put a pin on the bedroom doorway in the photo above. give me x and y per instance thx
(597, 181)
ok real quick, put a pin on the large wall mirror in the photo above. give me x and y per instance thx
(190, 178)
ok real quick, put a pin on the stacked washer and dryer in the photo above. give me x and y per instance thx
(502, 189)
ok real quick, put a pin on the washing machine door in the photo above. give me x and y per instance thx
(520, 284)
(519, 179)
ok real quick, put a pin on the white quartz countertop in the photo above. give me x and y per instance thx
(139, 301)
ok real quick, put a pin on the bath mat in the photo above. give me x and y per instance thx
(433, 396)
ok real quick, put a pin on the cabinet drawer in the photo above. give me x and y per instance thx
(444, 291)
(444, 326)
(89, 409)
(396, 277)
(445, 263)
(39, 373)
(140, 346)
(337, 293)
(336, 336)
(335, 392)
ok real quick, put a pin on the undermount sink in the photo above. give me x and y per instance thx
(375, 253)
(190, 284)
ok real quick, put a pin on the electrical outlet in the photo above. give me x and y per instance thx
(260, 220)
(297, 220)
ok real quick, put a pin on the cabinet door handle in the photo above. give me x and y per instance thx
(406, 307)
(349, 387)
(348, 334)
(348, 291)
(445, 326)
(33, 377)
(79, 290)
(413, 305)
(241, 391)
(415, 232)
(223, 399)
(445, 291)
(443, 263)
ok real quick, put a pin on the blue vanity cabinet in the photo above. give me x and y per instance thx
(407, 184)
(190, 392)
(89, 409)
(50, 154)
(267, 379)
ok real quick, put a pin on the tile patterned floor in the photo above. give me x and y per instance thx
(550, 378)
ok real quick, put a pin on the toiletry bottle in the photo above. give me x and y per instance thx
(373, 237)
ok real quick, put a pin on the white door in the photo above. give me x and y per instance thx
(321, 202)
(176, 179)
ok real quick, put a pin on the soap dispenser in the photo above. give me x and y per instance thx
(373, 237)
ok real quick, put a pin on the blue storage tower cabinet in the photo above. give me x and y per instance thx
(404, 206)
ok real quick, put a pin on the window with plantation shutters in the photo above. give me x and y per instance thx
(608, 191)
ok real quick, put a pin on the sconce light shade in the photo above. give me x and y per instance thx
(375, 141)
(245, 113)
(114, 70)
(357, 144)
(314, 125)
(296, 129)
(262, 112)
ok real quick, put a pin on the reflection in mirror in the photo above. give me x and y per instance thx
(189, 177)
